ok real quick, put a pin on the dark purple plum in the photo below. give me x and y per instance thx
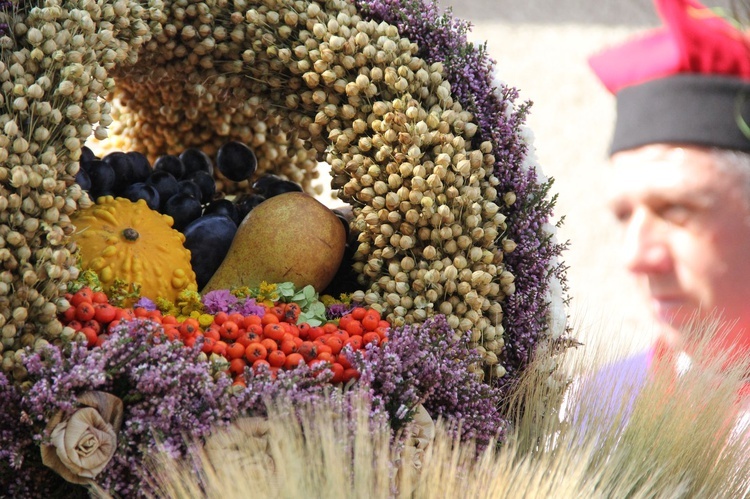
(123, 168)
(141, 166)
(236, 161)
(208, 238)
(189, 187)
(83, 179)
(142, 190)
(195, 160)
(246, 202)
(223, 207)
(207, 185)
(164, 183)
(87, 155)
(262, 183)
(183, 208)
(102, 179)
(170, 163)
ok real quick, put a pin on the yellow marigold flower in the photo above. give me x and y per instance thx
(328, 300)
(166, 306)
(242, 292)
(205, 320)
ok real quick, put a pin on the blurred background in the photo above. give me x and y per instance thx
(541, 48)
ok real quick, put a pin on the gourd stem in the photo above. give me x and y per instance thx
(130, 234)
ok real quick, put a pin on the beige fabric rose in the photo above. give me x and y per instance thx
(81, 446)
(422, 434)
(250, 442)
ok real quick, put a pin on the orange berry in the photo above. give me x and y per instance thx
(278, 311)
(355, 342)
(229, 330)
(276, 358)
(270, 344)
(85, 311)
(370, 321)
(288, 347)
(212, 333)
(291, 313)
(315, 333)
(343, 360)
(250, 320)
(358, 313)
(255, 351)
(91, 336)
(274, 331)
(220, 318)
(371, 337)
(189, 327)
(335, 343)
(169, 319)
(99, 297)
(220, 348)
(208, 344)
(293, 360)
(140, 312)
(345, 320)
(325, 356)
(304, 330)
(235, 351)
(355, 328)
(82, 295)
(330, 327)
(308, 350)
(269, 318)
(237, 366)
(350, 374)
(338, 373)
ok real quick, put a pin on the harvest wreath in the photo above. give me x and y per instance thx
(451, 213)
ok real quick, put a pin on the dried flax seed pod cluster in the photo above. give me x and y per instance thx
(299, 81)
(53, 74)
(303, 82)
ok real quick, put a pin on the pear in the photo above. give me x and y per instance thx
(290, 237)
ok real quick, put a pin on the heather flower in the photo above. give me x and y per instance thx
(428, 364)
(145, 303)
(220, 300)
(337, 310)
(250, 307)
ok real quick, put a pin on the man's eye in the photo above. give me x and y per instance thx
(622, 214)
(677, 214)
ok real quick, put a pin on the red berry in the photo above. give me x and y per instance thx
(85, 311)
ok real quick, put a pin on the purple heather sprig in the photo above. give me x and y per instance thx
(428, 364)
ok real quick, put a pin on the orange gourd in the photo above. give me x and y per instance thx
(120, 239)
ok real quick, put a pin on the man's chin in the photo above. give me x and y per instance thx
(672, 313)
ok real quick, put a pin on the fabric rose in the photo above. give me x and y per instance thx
(249, 443)
(83, 444)
(422, 434)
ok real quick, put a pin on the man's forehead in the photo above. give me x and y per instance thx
(665, 171)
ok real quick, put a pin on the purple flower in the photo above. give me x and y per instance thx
(337, 310)
(221, 300)
(250, 307)
(146, 303)
(426, 364)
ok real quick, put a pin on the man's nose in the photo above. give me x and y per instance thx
(646, 247)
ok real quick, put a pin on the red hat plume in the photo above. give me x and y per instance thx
(694, 39)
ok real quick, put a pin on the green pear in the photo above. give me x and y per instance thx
(291, 237)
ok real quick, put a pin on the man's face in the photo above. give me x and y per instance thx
(686, 234)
